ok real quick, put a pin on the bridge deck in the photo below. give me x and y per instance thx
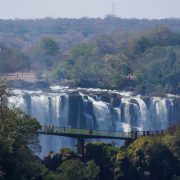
(93, 134)
(82, 134)
(86, 133)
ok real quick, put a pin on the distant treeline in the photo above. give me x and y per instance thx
(141, 55)
(148, 62)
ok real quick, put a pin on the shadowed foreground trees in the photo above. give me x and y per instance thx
(150, 158)
(67, 165)
(18, 142)
(147, 158)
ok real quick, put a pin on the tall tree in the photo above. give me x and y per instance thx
(18, 142)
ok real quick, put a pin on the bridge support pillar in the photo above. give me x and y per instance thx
(80, 146)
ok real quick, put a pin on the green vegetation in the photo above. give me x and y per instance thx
(148, 157)
(149, 62)
(68, 165)
(131, 54)
(49, 46)
(18, 142)
(12, 60)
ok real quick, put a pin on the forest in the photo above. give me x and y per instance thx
(114, 53)
(147, 62)
(146, 158)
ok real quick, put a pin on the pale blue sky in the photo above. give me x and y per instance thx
(156, 9)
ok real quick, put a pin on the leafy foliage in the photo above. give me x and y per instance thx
(145, 62)
(105, 159)
(18, 142)
(139, 55)
(76, 169)
(49, 46)
(13, 60)
(68, 166)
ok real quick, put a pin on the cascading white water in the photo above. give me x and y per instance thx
(49, 109)
(88, 117)
(144, 122)
(102, 114)
(63, 108)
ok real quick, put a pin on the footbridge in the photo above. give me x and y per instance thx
(82, 134)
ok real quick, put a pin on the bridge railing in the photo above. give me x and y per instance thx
(150, 133)
(98, 133)
(88, 132)
(112, 133)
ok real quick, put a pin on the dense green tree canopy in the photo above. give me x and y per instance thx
(49, 46)
(18, 142)
(145, 62)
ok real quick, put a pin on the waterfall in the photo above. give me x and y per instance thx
(63, 110)
(49, 109)
(102, 114)
(144, 122)
(85, 108)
